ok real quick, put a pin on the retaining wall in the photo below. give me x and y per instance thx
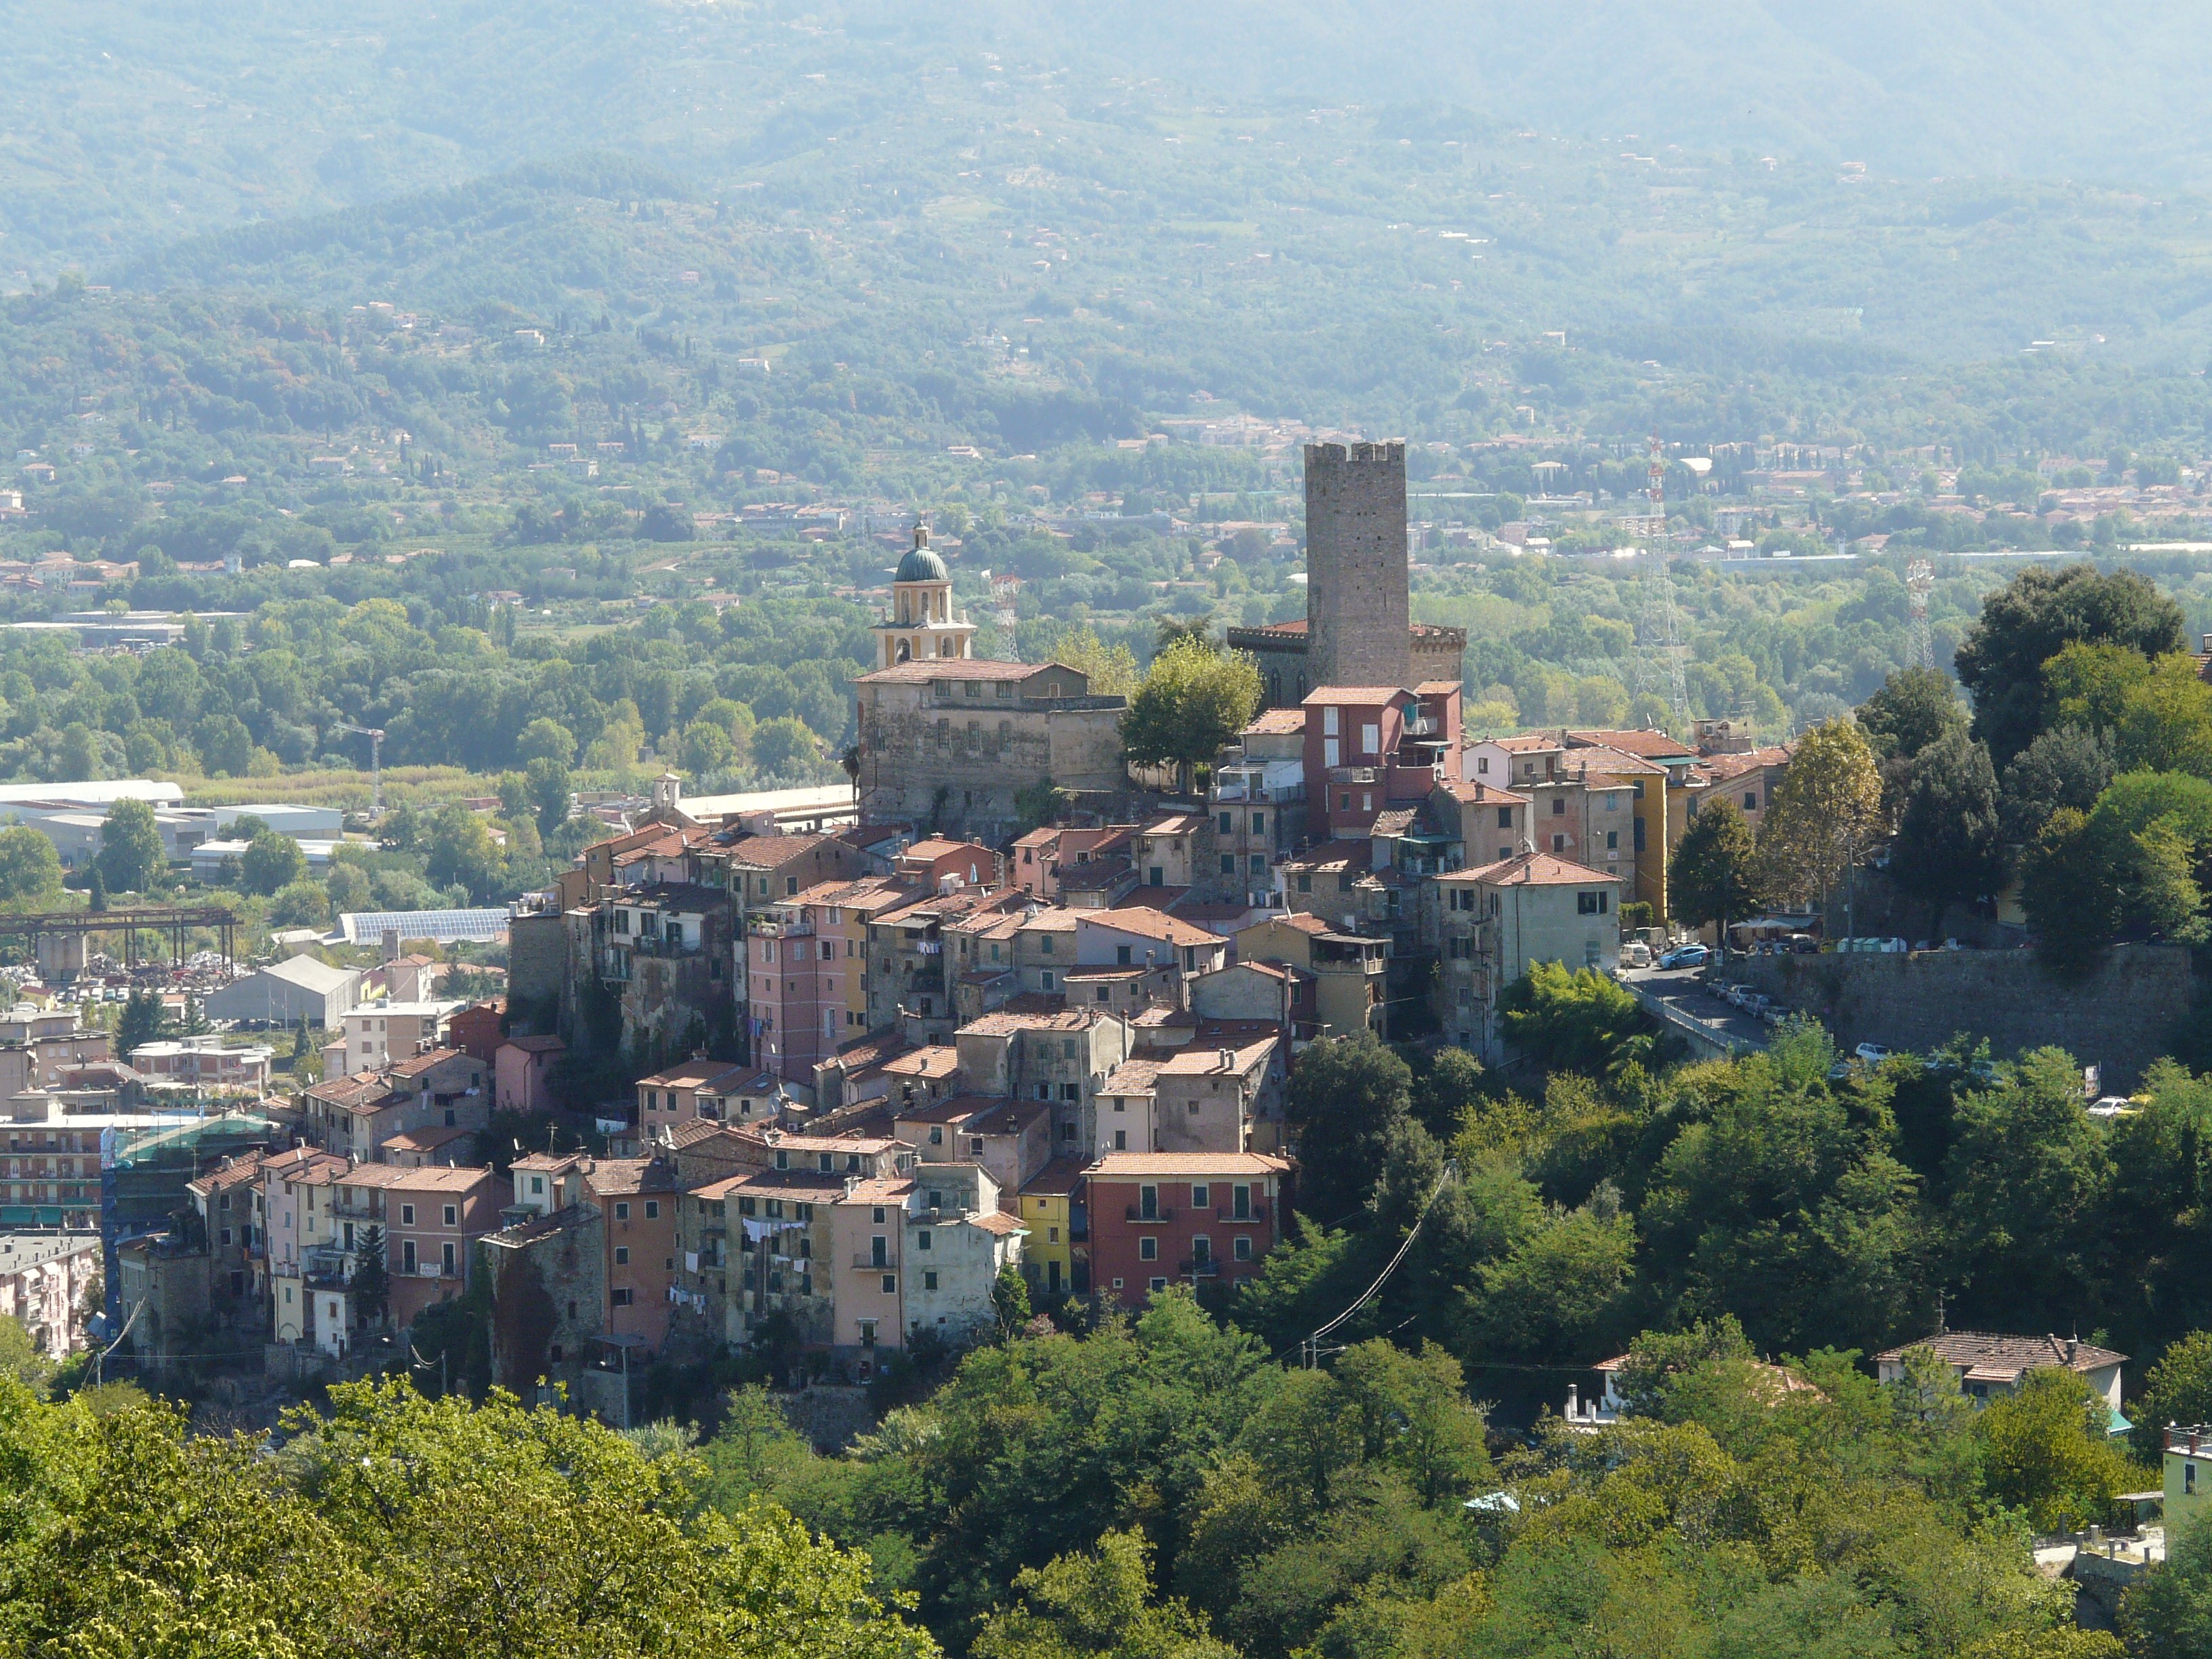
(2121, 1014)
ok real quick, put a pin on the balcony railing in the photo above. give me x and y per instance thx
(869, 1261)
(1137, 1212)
(1202, 1267)
(1257, 1212)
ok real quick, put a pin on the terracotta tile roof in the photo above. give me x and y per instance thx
(1203, 1057)
(1603, 757)
(425, 1140)
(1133, 1076)
(1059, 1179)
(1131, 1166)
(1331, 855)
(891, 1191)
(1437, 688)
(939, 1060)
(1734, 766)
(923, 672)
(2000, 1357)
(995, 1221)
(772, 852)
(617, 1177)
(1526, 743)
(1395, 822)
(1173, 823)
(1480, 795)
(1531, 870)
(1006, 1021)
(1647, 744)
(428, 1059)
(240, 1172)
(1148, 924)
(1277, 723)
(1375, 695)
(536, 1045)
(697, 1074)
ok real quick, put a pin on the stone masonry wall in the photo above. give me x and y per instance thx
(1356, 605)
(2122, 1015)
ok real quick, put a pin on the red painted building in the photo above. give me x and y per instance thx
(1163, 1219)
(1370, 748)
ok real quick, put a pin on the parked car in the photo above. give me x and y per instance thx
(2113, 1106)
(1687, 956)
(1873, 1053)
(1636, 954)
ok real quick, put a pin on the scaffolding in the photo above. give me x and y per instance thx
(47, 936)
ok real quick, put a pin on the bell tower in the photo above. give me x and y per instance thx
(922, 626)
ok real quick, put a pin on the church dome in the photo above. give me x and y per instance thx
(922, 563)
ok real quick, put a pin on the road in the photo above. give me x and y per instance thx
(1675, 996)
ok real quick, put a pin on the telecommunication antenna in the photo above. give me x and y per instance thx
(1659, 626)
(1919, 581)
(375, 736)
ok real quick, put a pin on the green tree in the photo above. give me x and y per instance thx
(139, 1023)
(30, 869)
(1950, 839)
(2177, 1390)
(2168, 1611)
(2029, 1176)
(2047, 1452)
(1446, 1091)
(461, 852)
(1097, 1605)
(546, 785)
(1010, 1299)
(1822, 818)
(372, 1280)
(271, 862)
(2065, 766)
(705, 747)
(131, 856)
(226, 746)
(1194, 700)
(2034, 617)
(546, 740)
(1713, 872)
(1574, 1018)
(1346, 1096)
(1108, 672)
(1914, 708)
(785, 747)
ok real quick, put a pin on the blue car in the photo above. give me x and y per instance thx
(1688, 955)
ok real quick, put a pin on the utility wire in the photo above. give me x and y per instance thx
(1312, 1344)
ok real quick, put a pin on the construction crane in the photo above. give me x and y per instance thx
(375, 736)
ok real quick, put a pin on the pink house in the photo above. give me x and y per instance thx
(519, 1072)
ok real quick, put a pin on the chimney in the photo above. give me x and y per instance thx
(1228, 1060)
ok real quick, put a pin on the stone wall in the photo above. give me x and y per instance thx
(2122, 1015)
(962, 771)
(1357, 603)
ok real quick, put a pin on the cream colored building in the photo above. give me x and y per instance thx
(1500, 919)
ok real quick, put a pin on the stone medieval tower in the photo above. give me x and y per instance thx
(1356, 611)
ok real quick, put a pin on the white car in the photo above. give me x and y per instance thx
(2111, 1106)
(1636, 954)
(1873, 1053)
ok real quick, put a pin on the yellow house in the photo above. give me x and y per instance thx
(1655, 771)
(1056, 1259)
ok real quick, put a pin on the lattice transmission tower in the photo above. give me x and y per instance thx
(1919, 581)
(1659, 625)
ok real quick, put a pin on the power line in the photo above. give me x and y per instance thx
(1311, 1345)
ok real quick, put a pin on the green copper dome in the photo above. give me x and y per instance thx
(922, 563)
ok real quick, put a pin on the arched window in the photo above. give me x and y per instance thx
(905, 650)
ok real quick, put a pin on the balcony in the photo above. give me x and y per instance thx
(925, 982)
(870, 1264)
(1257, 1212)
(658, 944)
(427, 1270)
(1205, 1268)
(1137, 1212)
(776, 928)
(1355, 774)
